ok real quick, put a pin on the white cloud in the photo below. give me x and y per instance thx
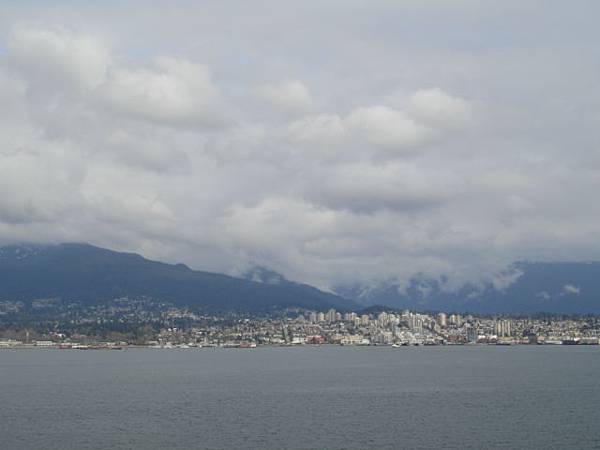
(323, 129)
(365, 131)
(570, 289)
(290, 96)
(175, 91)
(506, 278)
(388, 128)
(544, 295)
(59, 57)
(436, 107)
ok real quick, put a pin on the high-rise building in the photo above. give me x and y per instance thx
(503, 328)
(330, 317)
(383, 319)
(456, 320)
(415, 322)
(442, 320)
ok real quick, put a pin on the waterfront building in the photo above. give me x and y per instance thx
(473, 334)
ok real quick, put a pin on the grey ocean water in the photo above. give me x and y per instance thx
(526, 397)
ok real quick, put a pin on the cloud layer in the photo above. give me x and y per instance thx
(398, 141)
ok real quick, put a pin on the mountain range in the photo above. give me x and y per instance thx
(89, 275)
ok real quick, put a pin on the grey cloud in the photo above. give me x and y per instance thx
(365, 188)
(37, 187)
(399, 138)
(136, 148)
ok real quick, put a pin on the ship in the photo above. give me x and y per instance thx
(247, 345)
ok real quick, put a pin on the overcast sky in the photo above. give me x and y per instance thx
(333, 141)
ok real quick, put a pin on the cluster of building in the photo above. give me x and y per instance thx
(410, 328)
(125, 323)
(385, 328)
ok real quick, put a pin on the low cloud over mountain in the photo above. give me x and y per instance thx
(528, 288)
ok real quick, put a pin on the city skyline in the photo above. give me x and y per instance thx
(127, 323)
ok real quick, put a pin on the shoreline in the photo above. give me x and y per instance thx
(96, 347)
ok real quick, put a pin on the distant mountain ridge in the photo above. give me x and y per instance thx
(533, 287)
(89, 274)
